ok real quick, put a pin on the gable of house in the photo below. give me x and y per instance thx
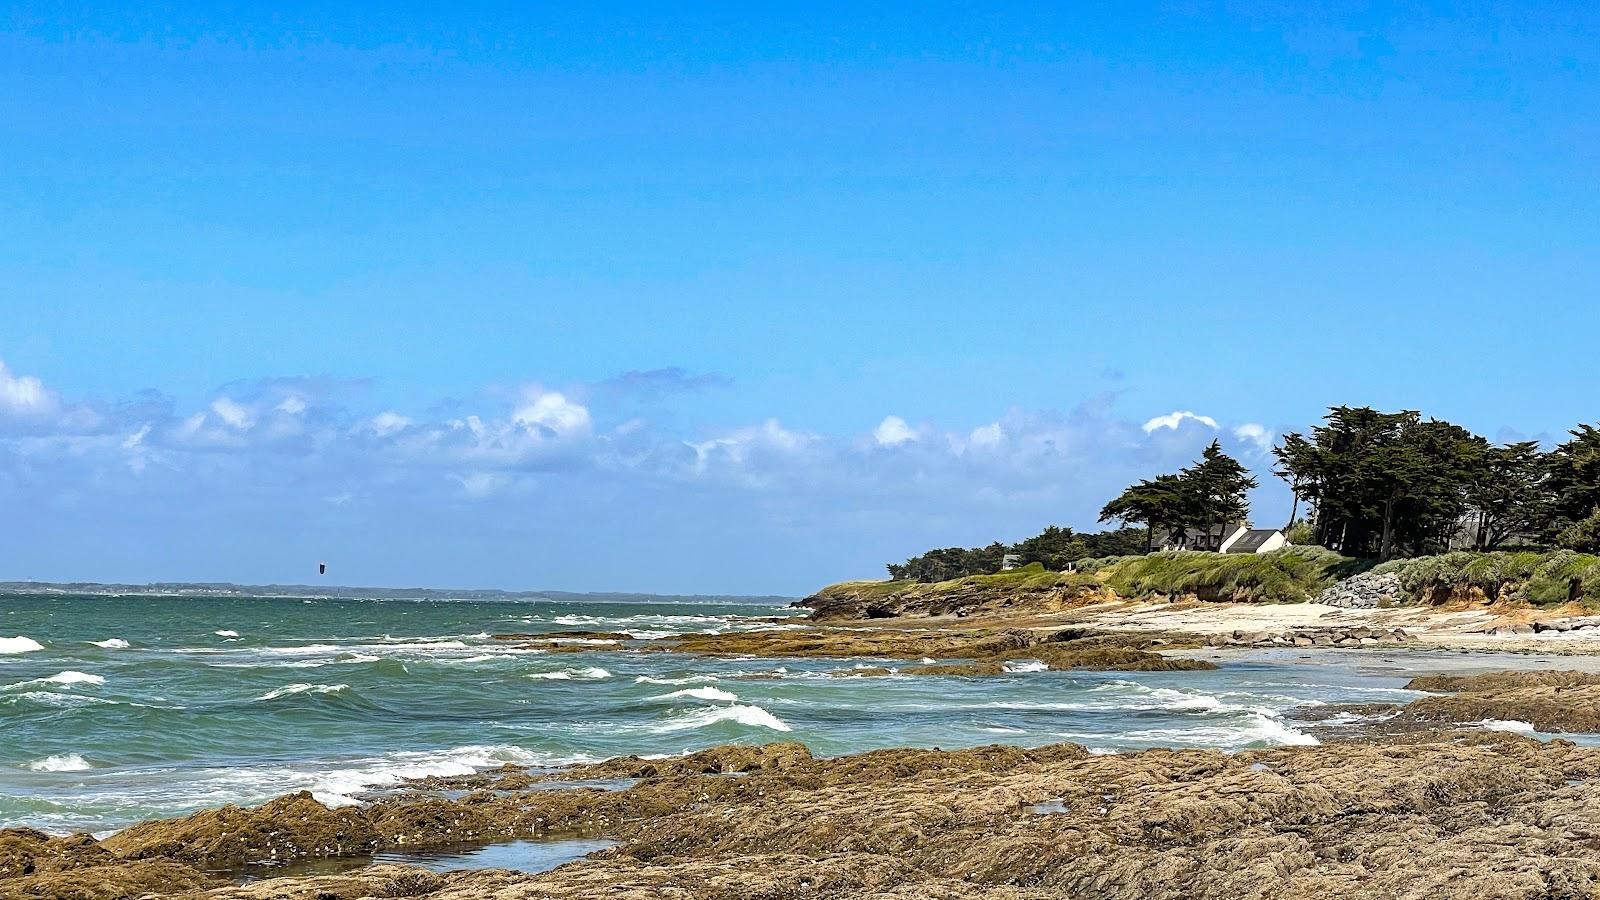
(1256, 540)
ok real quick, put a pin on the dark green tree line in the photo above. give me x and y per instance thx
(1394, 484)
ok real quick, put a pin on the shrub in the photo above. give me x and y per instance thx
(1542, 578)
(1291, 575)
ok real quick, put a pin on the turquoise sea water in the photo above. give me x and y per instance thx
(117, 709)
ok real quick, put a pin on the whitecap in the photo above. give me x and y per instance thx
(651, 679)
(1510, 725)
(62, 678)
(700, 693)
(72, 677)
(750, 715)
(66, 762)
(55, 698)
(18, 644)
(112, 644)
(302, 650)
(340, 782)
(303, 688)
(225, 633)
(1031, 665)
(588, 673)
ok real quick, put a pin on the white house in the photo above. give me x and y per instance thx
(1255, 540)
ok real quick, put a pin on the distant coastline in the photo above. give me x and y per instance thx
(350, 592)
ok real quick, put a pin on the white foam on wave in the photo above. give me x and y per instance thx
(225, 633)
(56, 698)
(66, 762)
(1511, 725)
(66, 679)
(1257, 729)
(72, 677)
(19, 644)
(1031, 665)
(1272, 729)
(587, 673)
(691, 679)
(700, 693)
(338, 783)
(1140, 699)
(302, 650)
(751, 715)
(293, 664)
(112, 644)
(290, 690)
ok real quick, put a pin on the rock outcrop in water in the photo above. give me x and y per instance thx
(982, 652)
(1549, 701)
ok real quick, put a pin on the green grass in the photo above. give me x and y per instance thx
(1291, 575)
(1032, 577)
(1540, 578)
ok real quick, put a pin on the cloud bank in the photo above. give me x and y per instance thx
(551, 470)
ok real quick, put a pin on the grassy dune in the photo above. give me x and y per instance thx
(1542, 579)
(1291, 575)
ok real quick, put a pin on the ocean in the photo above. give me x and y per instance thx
(119, 709)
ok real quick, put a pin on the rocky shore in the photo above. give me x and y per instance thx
(1415, 800)
(1444, 810)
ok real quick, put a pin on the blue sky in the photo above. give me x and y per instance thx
(732, 299)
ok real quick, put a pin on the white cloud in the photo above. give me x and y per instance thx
(755, 456)
(234, 415)
(553, 411)
(1256, 434)
(988, 435)
(387, 423)
(893, 431)
(1173, 419)
(253, 440)
(25, 395)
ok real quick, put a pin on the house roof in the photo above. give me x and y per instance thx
(1213, 532)
(1251, 540)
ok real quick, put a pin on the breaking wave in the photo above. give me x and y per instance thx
(112, 644)
(1510, 725)
(700, 693)
(587, 673)
(289, 690)
(753, 716)
(61, 678)
(66, 762)
(19, 644)
(691, 679)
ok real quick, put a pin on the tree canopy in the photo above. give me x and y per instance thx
(1395, 484)
(1056, 548)
(1377, 484)
(1210, 492)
